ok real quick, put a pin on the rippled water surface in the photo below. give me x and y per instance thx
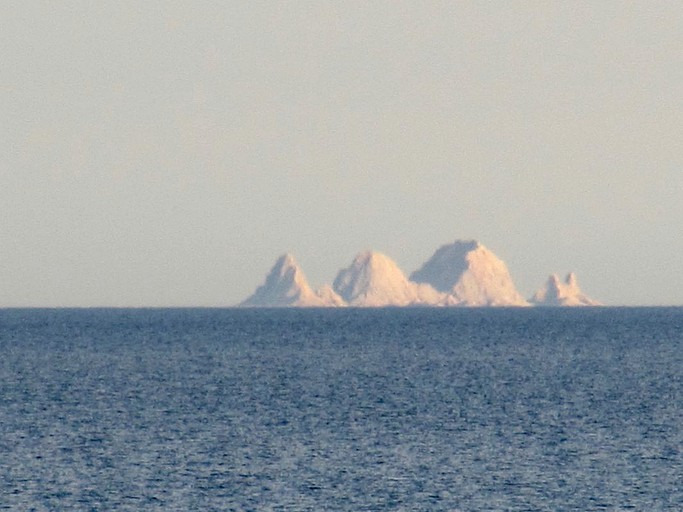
(395, 409)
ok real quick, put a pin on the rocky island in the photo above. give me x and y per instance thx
(462, 274)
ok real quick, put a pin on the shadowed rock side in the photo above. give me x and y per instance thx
(374, 280)
(286, 286)
(471, 275)
(557, 293)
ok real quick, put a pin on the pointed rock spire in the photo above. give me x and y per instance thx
(287, 286)
(571, 281)
(374, 280)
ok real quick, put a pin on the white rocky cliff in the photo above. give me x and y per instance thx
(374, 280)
(558, 293)
(286, 286)
(471, 275)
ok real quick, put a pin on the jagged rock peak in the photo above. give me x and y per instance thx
(374, 280)
(446, 265)
(558, 293)
(471, 275)
(287, 286)
(286, 263)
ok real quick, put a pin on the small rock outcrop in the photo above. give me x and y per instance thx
(286, 286)
(329, 297)
(471, 275)
(558, 293)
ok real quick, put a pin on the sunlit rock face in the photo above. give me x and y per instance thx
(374, 280)
(286, 286)
(471, 275)
(558, 293)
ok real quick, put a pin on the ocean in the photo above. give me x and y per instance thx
(341, 409)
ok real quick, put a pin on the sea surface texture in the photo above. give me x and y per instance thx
(341, 410)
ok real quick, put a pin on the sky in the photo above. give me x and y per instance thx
(166, 153)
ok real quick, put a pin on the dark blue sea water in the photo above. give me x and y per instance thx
(349, 410)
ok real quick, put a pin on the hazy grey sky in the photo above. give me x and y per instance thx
(165, 153)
